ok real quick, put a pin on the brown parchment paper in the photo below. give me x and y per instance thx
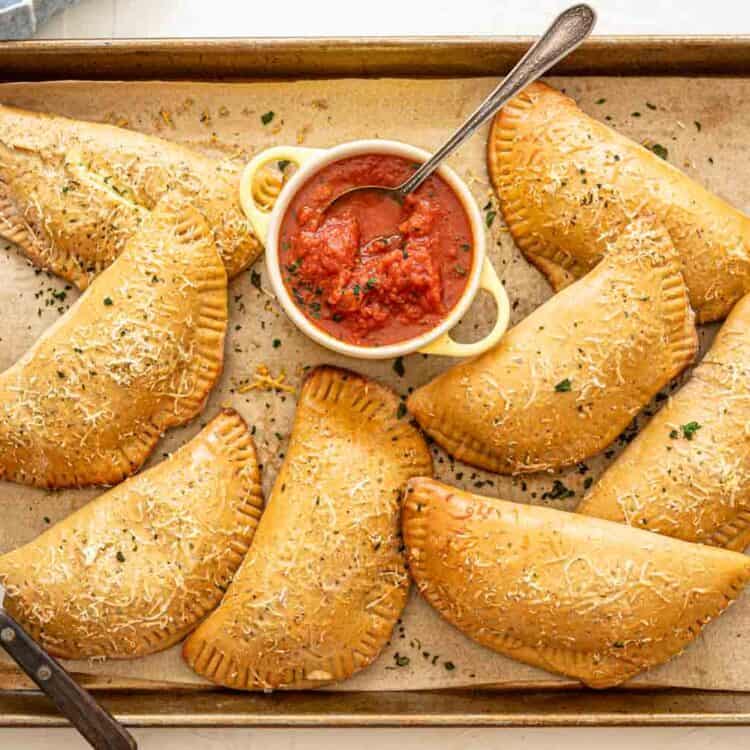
(703, 124)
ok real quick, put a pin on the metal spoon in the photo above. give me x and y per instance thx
(565, 33)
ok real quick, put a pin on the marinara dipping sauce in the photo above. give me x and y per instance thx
(384, 292)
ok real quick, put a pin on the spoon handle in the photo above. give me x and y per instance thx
(565, 33)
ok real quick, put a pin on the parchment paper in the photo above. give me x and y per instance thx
(701, 122)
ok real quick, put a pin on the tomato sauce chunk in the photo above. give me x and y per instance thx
(375, 293)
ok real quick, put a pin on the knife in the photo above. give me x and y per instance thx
(101, 730)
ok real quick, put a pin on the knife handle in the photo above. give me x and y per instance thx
(101, 730)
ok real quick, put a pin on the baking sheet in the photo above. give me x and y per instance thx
(701, 122)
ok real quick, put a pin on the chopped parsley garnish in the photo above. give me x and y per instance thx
(398, 367)
(255, 279)
(283, 164)
(120, 556)
(689, 429)
(558, 492)
(588, 482)
(660, 150)
(466, 247)
(635, 114)
(450, 666)
(356, 289)
(601, 101)
(276, 343)
(401, 411)
(337, 317)
(697, 124)
(108, 301)
(401, 661)
(563, 386)
(650, 106)
(489, 218)
(372, 282)
(267, 117)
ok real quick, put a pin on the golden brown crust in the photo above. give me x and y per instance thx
(557, 276)
(568, 184)
(687, 474)
(136, 569)
(324, 581)
(593, 600)
(73, 193)
(570, 377)
(138, 353)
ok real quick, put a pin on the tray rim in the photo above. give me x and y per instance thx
(235, 59)
(242, 58)
(447, 708)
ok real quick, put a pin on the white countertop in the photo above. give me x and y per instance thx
(706, 738)
(192, 18)
(185, 18)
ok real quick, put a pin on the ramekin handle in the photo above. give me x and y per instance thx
(447, 347)
(258, 216)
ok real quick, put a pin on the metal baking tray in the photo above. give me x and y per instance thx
(248, 59)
